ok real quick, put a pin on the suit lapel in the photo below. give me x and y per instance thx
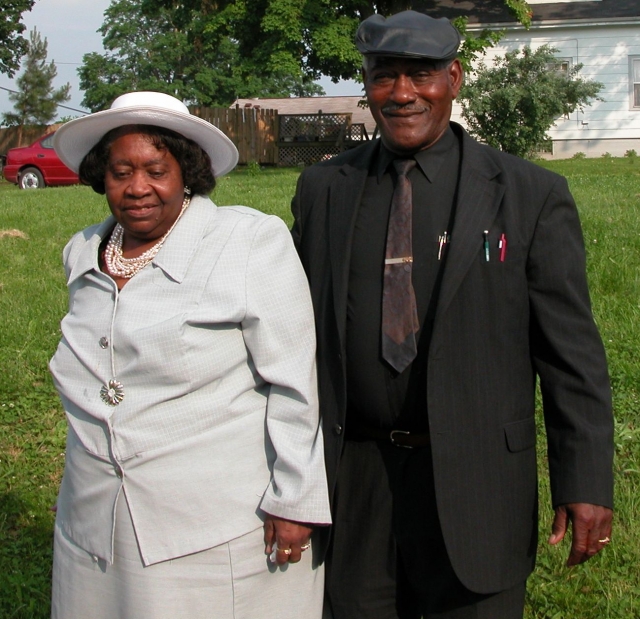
(345, 193)
(479, 198)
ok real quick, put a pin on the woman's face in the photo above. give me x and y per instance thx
(143, 186)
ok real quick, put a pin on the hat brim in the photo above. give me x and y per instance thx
(75, 139)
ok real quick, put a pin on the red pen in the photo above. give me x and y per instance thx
(502, 246)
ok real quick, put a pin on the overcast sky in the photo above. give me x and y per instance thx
(70, 27)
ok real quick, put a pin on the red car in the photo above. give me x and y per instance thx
(36, 166)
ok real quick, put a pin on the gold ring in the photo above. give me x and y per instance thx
(286, 551)
(606, 540)
(305, 546)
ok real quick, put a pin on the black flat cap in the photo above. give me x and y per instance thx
(408, 33)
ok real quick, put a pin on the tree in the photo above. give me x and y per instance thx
(307, 39)
(212, 51)
(14, 45)
(513, 104)
(36, 102)
(164, 48)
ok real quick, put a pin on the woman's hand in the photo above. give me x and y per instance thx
(291, 538)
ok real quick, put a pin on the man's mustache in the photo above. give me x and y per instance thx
(409, 107)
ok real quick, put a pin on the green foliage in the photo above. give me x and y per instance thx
(513, 104)
(303, 39)
(579, 155)
(253, 168)
(607, 155)
(36, 102)
(161, 47)
(14, 45)
(631, 155)
(65, 119)
(521, 10)
(210, 53)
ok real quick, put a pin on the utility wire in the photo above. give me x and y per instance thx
(66, 107)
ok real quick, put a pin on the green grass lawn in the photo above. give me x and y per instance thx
(32, 427)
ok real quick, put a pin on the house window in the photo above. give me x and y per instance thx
(634, 82)
(561, 65)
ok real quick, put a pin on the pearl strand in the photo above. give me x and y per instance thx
(120, 266)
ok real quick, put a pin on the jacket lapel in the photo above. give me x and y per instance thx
(182, 244)
(344, 195)
(87, 259)
(479, 197)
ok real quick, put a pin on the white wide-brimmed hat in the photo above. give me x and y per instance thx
(75, 139)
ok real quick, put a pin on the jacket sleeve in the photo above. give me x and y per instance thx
(279, 331)
(569, 357)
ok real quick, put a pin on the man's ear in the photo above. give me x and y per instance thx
(456, 76)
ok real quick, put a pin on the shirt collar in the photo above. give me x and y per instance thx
(176, 252)
(429, 160)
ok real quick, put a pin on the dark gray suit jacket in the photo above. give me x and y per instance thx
(499, 324)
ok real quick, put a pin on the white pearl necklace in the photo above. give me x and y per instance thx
(120, 266)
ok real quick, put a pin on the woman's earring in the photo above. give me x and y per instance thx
(187, 191)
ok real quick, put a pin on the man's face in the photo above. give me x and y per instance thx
(410, 100)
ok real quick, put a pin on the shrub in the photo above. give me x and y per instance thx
(253, 168)
(513, 104)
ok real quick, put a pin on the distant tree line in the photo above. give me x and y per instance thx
(210, 53)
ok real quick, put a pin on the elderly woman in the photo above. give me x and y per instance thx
(194, 460)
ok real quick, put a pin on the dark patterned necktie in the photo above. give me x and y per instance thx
(399, 312)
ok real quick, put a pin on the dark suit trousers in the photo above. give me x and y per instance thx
(387, 559)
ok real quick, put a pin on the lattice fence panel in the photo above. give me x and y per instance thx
(312, 127)
(306, 154)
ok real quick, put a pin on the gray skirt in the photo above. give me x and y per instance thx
(231, 581)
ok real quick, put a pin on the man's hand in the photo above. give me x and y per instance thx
(591, 526)
(291, 537)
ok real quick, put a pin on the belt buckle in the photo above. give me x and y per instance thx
(393, 440)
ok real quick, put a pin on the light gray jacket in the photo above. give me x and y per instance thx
(214, 346)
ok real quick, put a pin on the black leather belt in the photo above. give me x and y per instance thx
(400, 438)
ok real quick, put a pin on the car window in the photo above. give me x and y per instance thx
(47, 142)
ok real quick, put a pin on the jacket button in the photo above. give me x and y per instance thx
(104, 342)
(337, 429)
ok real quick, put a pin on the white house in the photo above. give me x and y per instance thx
(603, 36)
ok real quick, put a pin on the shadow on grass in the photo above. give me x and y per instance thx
(26, 542)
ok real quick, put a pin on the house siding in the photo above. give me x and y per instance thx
(604, 50)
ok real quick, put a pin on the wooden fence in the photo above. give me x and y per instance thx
(263, 136)
(252, 130)
(260, 135)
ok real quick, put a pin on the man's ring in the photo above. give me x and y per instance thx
(286, 551)
(606, 540)
(305, 546)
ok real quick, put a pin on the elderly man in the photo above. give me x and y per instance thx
(446, 277)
